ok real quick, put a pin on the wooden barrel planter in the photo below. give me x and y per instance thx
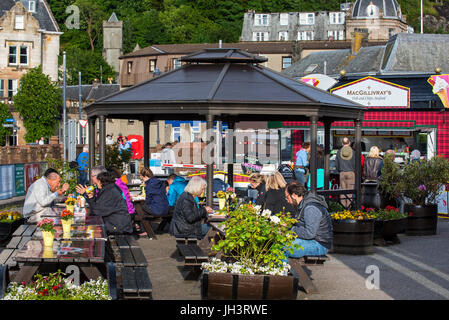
(387, 230)
(421, 220)
(231, 286)
(353, 236)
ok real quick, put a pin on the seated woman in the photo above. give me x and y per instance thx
(257, 182)
(275, 200)
(186, 221)
(123, 187)
(156, 202)
(109, 204)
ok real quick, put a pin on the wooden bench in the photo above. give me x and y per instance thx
(21, 236)
(315, 260)
(131, 268)
(193, 255)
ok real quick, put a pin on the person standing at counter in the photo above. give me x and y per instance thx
(302, 163)
(372, 163)
(345, 164)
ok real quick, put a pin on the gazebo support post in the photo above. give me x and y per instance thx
(313, 149)
(230, 152)
(146, 142)
(358, 163)
(92, 135)
(209, 162)
(327, 153)
(102, 138)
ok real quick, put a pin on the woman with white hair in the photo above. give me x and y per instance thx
(187, 216)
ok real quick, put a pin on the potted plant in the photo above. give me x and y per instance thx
(55, 287)
(70, 203)
(48, 231)
(421, 183)
(353, 232)
(387, 184)
(10, 220)
(252, 253)
(67, 221)
(389, 222)
(221, 195)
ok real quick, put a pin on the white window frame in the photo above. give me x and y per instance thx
(336, 18)
(305, 35)
(261, 19)
(336, 34)
(307, 18)
(286, 57)
(19, 22)
(283, 19)
(12, 55)
(283, 34)
(32, 6)
(2, 88)
(129, 67)
(152, 66)
(176, 63)
(260, 36)
(19, 54)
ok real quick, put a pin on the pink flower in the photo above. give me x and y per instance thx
(422, 187)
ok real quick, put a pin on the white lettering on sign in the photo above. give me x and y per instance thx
(373, 92)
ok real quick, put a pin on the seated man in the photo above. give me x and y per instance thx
(314, 226)
(41, 195)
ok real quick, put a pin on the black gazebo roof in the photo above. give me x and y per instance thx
(224, 82)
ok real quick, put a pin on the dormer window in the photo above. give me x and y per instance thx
(32, 6)
(372, 10)
(19, 22)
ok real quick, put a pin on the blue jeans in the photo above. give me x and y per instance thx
(204, 229)
(309, 248)
(299, 175)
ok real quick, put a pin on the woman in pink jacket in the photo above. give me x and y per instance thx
(118, 181)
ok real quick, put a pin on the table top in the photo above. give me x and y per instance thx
(78, 217)
(77, 232)
(62, 251)
(218, 227)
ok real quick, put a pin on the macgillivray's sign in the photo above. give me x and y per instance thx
(375, 93)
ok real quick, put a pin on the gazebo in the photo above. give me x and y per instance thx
(227, 84)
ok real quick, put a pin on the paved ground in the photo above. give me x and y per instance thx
(416, 268)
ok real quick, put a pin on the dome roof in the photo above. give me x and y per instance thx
(371, 9)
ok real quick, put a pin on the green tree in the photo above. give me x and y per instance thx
(37, 102)
(91, 19)
(5, 113)
(113, 157)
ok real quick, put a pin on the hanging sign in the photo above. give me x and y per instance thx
(376, 93)
(83, 123)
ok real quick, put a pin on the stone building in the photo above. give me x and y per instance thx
(29, 37)
(113, 41)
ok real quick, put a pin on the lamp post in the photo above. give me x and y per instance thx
(64, 131)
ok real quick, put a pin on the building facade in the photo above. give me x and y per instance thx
(29, 35)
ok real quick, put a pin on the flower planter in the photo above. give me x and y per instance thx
(226, 286)
(221, 203)
(353, 236)
(48, 238)
(387, 230)
(8, 228)
(421, 220)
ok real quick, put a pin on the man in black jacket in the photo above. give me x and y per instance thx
(314, 226)
(345, 163)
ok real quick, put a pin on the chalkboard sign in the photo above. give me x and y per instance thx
(287, 172)
(251, 164)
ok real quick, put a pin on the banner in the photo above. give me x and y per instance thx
(440, 84)
(32, 170)
(19, 178)
(7, 182)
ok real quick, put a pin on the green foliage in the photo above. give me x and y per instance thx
(389, 213)
(335, 206)
(255, 238)
(67, 174)
(388, 182)
(37, 101)
(113, 157)
(5, 113)
(421, 181)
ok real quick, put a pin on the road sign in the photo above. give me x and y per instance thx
(8, 125)
(10, 120)
(83, 123)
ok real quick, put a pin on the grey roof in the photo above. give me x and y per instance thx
(404, 52)
(226, 88)
(113, 18)
(389, 8)
(43, 13)
(90, 92)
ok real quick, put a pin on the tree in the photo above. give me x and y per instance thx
(37, 102)
(5, 113)
(92, 17)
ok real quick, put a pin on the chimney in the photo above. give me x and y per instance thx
(356, 42)
(95, 83)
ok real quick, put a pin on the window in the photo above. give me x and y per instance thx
(261, 20)
(130, 66)
(32, 6)
(363, 30)
(12, 87)
(336, 35)
(152, 65)
(19, 22)
(2, 88)
(307, 18)
(283, 35)
(260, 36)
(286, 62)
(12, 59)
(24, 55)
(176, 64)
(336, 18)
(305, 35)
(283, 19)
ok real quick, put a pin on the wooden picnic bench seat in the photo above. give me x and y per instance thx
(20, 236)
(297, 266)
(133, 281)
(193, 255)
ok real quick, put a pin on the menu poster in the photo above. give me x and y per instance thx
(19, 179)
(440, 84)
(32, 171)
(251, 164)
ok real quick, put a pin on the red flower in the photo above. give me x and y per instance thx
(55, 288)
(23, 283)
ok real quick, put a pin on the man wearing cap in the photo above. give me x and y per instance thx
(346, 168)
